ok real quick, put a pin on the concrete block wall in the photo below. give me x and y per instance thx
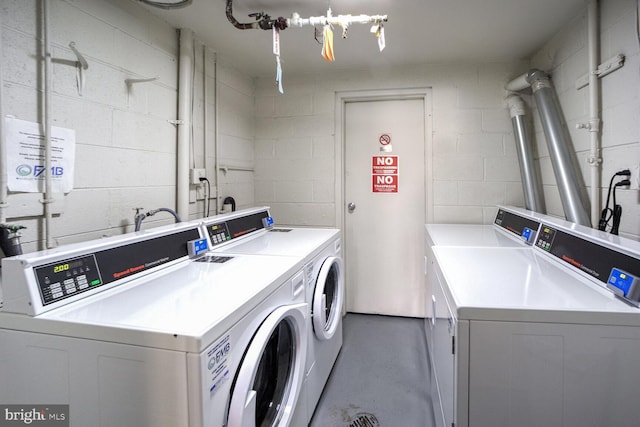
(235, 120)
(565, 57)
(125, 145)
(475, 164)
(236, 124)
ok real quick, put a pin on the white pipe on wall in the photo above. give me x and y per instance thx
(518, 84)
(594, 117)
(48, 197)
(205, 128)
(3, 145)
(185, 82)
(216, 151)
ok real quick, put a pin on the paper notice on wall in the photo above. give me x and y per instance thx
(26, 170)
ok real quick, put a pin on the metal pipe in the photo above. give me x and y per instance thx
(234, 21)
(185, 82)
(595, 159)
(48, 197)
(529, 172)
(565, 166)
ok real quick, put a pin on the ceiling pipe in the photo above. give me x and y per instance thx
(167, 5)
(565, 165)
(263, 21)
(529, 173)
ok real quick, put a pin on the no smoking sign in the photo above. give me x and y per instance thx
(385, 139)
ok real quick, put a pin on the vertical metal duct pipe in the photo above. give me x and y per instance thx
(529, 173)
(570, 182)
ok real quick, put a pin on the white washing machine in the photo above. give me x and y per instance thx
(532, 336)
(130, 331)
(251, 231)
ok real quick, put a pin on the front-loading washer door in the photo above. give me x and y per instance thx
(270, 376)
(327, 298)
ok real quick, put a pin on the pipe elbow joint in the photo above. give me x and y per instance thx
(516, 105)
(538, 79)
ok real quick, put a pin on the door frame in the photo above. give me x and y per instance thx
(342, 99)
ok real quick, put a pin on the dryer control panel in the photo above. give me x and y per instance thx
(524, 228)
(616, 270)
(226, 230)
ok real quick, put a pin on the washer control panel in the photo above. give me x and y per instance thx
(71, 276)
(38, 282)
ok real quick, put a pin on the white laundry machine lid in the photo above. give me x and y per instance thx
(471, 235)
(514, 284)
(301, 242)
(180, 308)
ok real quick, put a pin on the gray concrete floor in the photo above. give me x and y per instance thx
(381, 377)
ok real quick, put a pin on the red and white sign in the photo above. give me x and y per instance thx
(385, 139)
(384, 174)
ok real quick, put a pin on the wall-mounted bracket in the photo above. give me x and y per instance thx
(607, 67)
(226, 169)
(81, 65)
(131, 82)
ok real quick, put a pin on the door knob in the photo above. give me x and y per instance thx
(351, 206)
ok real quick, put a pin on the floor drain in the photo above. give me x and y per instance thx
(364, 419)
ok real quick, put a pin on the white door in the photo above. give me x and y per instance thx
(385, 202)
